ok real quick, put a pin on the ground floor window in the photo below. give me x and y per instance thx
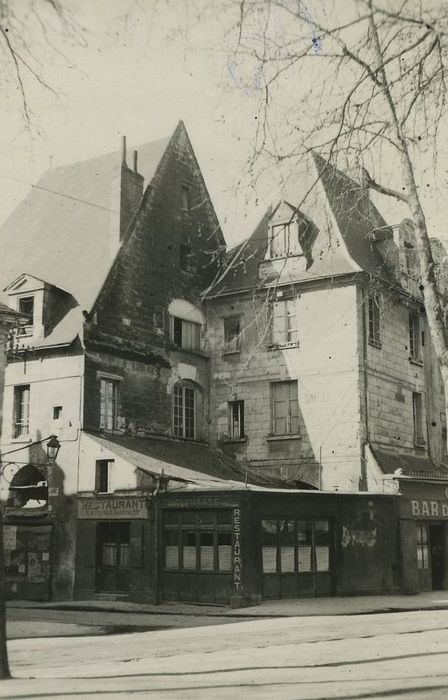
(198, 540)
(291, 546)
(422, 547)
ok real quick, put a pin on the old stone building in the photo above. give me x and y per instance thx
(111, 362)
(321, 361)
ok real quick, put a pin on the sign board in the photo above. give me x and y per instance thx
(424, 501)
(200, 502)
(112, 508)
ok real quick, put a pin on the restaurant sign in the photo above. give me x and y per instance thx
(112, 508)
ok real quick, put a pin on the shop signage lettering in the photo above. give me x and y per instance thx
(237, 563)
(429, 509)
(93, 508)
(197, 502)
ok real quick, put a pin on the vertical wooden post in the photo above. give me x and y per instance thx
(4, 665)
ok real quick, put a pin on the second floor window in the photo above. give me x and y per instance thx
(284, 240)
(184, 411)
(412, 264)
(417, 410)
(236, 419)
(284, 323)
(109, 400)
(232, 334)
(415, 338)
(103, 473)
(185, 334)
(21, 410)
(285, 408)
(374, 328)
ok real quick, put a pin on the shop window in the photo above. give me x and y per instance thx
(284, 323)
(295, 546)
(185, 334)
(236, 419)
(205, 541)
(422, 547)
(374, 320)
(285, 408)
(109, 402)
(103, 475)
(21, 410)
(184, 411)
(417, 409)
(232, 334)
(415, 338)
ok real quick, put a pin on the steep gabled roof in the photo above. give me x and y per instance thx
(341, 210)
(61, 231)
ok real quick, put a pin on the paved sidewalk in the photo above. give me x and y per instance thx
(302, 607)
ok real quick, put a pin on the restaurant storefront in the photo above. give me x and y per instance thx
(114, 549)
(241, 547)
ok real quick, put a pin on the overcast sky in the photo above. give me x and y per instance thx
(138, 75)
(137, 80)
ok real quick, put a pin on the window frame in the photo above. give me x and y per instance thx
(279, 541)
(286, 335)
(415, 338)
(292, 397)
(374, 318)
(21, 411)
(183, 327)
(185, 200)
(239, 433)
(418, 419)
(185, 263)
(107, 476)
(232, 340)
(192, 524)
(181, 421)
(104, 414)
(422, 541)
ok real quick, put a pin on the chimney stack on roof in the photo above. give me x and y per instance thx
(135, 161)
(123, 150)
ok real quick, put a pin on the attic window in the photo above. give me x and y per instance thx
(412, 267)
(284, 239)
(26, 307)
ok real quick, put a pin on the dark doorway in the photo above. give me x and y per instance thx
(436, 539)
(112, 556)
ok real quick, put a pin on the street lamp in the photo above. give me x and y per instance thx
(53, 447)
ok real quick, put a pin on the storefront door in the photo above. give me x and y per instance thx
(436, 539)
(112, 556)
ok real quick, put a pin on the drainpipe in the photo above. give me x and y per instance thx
(363, 484)
(157, 537)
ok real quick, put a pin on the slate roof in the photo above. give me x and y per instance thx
(344, 215)
(7, 311)
(180, 460)
(410, 465)
(61, 231)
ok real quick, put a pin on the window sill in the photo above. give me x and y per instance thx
(375, 343)
(420, 444)
(230, 352)
(189, 351)
(22, 438)
(283, 346)
(227, 440)
(279, 438)
(416, 361)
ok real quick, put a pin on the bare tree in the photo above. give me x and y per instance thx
(33, 33)
(363, 81)
(31, 36)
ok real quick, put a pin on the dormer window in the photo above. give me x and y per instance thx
(412, 265)
(284, 240)
(26, 307)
